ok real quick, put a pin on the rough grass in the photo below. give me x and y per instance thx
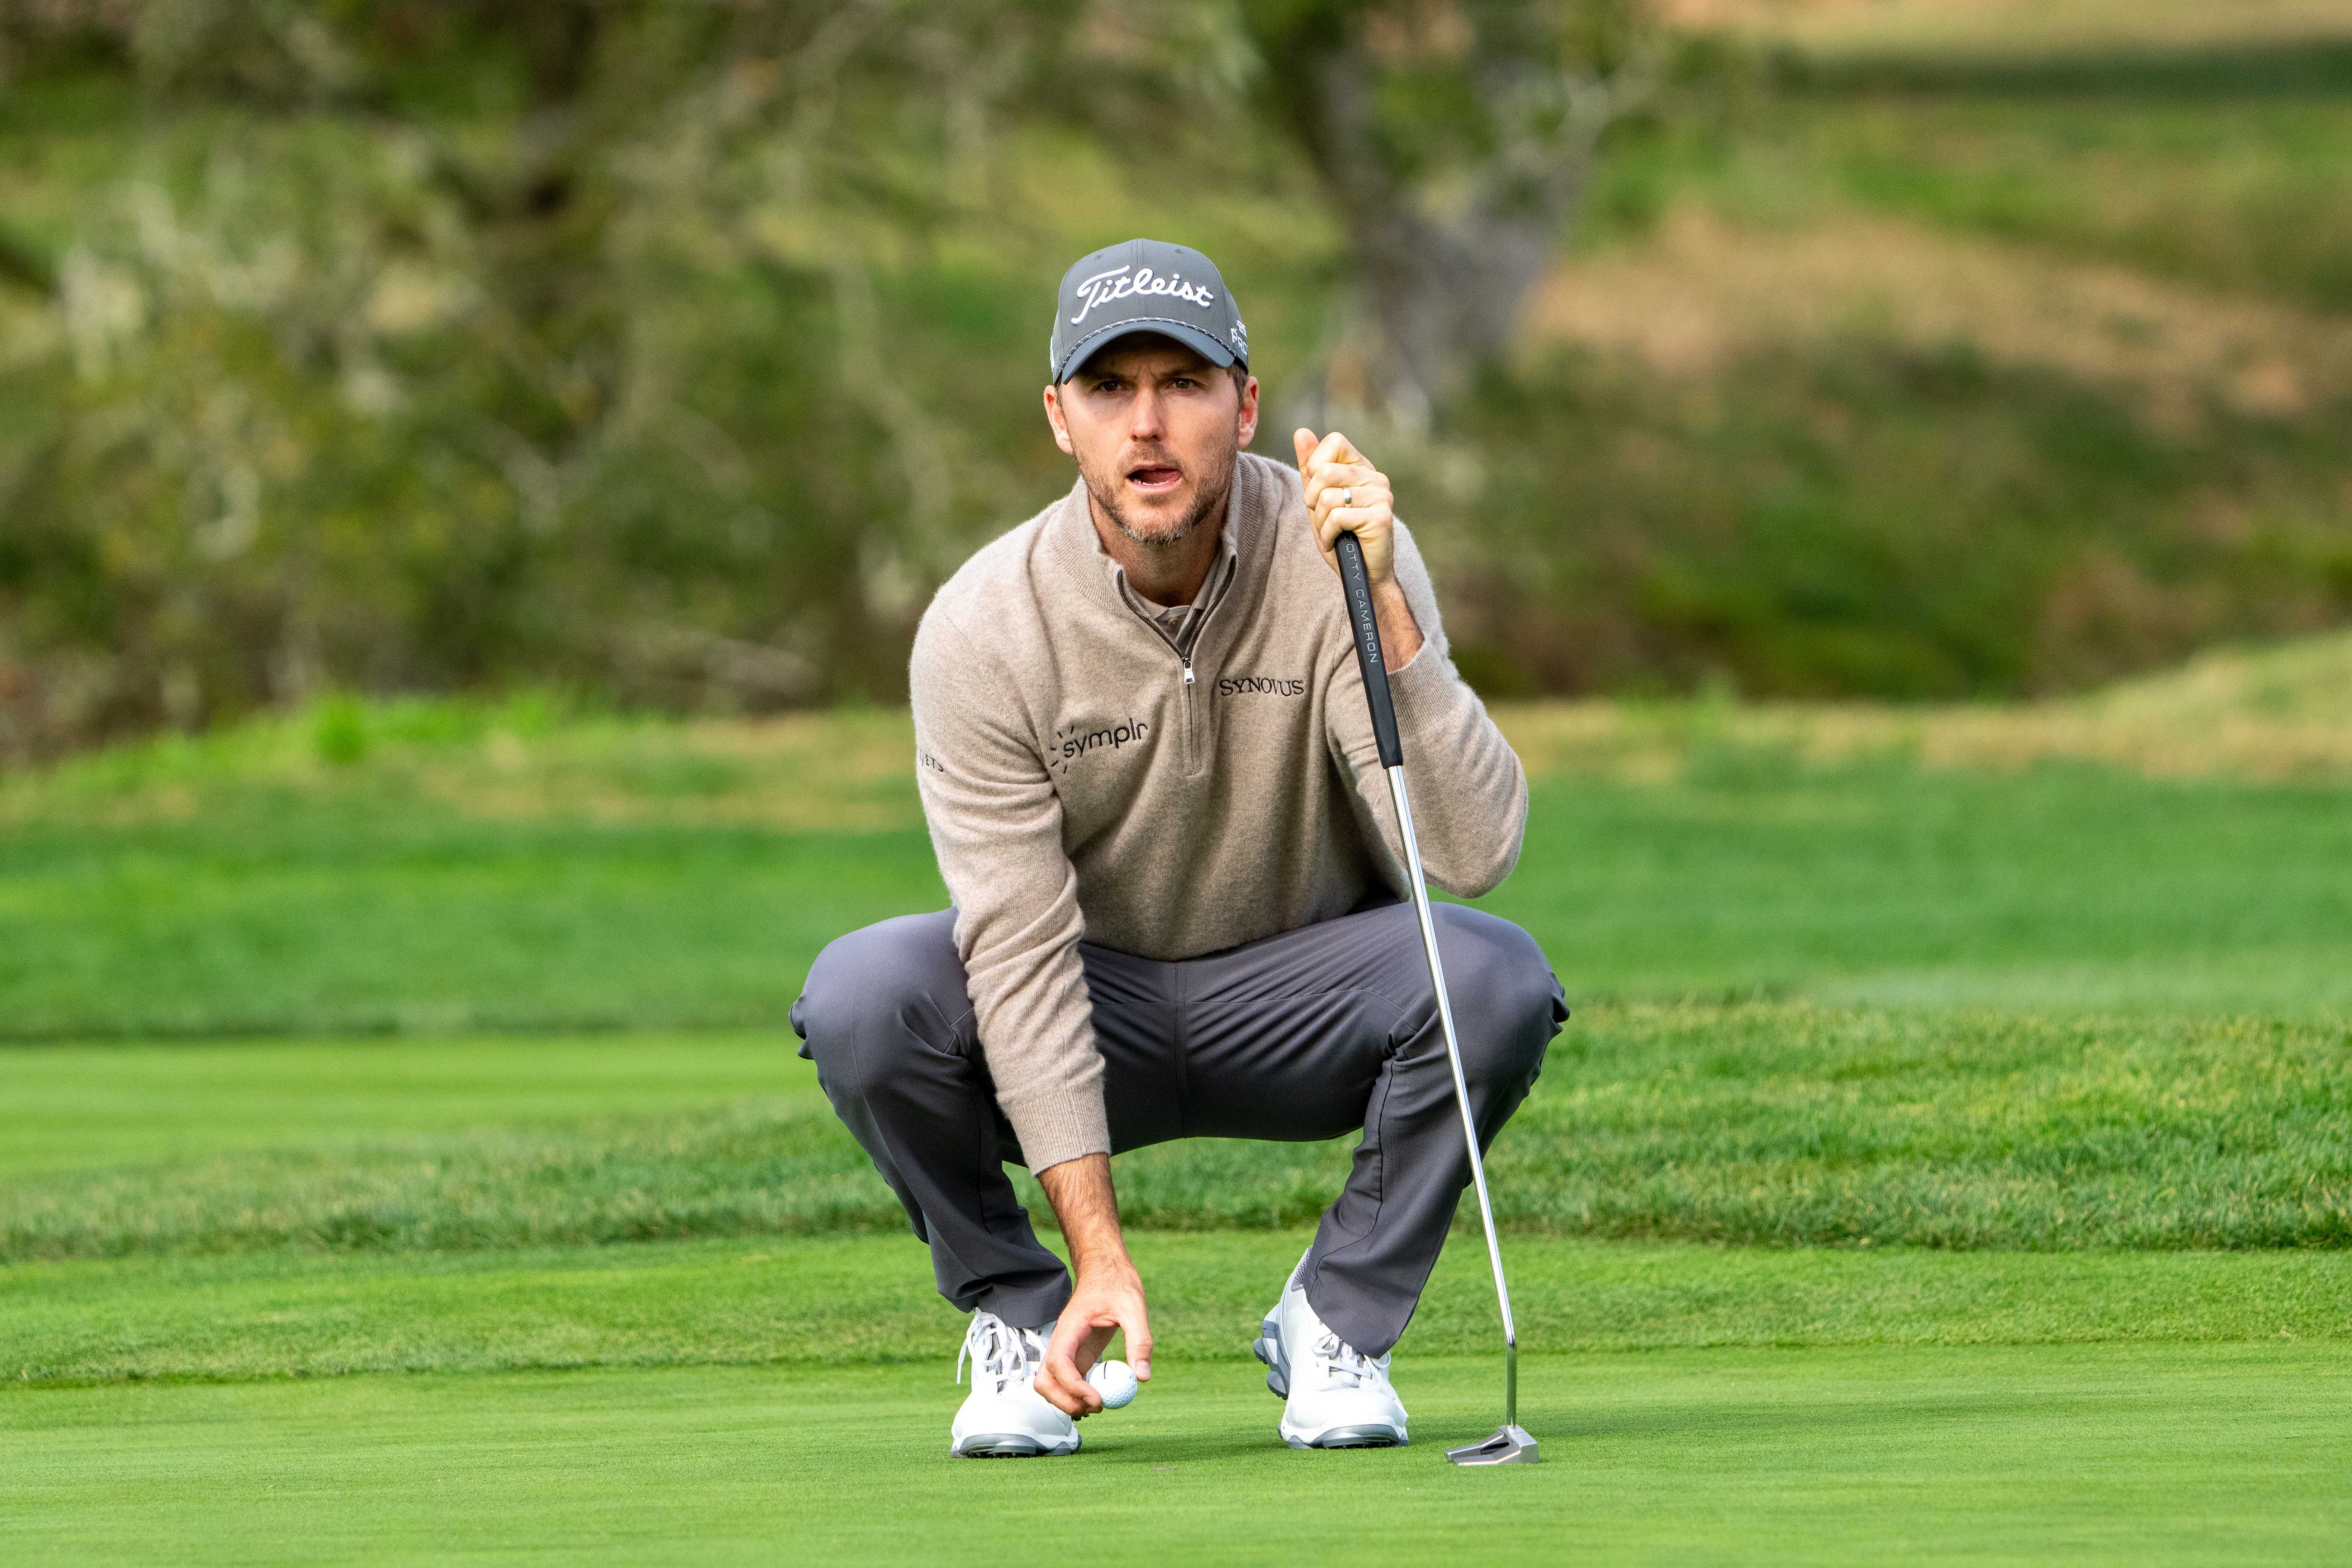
(1971, 1128)
(2279, 712)
(2265, 712)
(244, 885)
(1776, 1123)
(532, 758)
(2005, 1021)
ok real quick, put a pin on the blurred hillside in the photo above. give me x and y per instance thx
(1931, 349)
(2280, 714)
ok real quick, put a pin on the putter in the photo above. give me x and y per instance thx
(1510, 1444)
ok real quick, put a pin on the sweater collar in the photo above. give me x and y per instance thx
(1252, 509)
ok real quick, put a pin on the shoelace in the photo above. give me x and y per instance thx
(998, 1351)
(1338, 1360)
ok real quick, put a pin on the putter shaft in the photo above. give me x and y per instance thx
(1510, 1444)
(1461, 1090)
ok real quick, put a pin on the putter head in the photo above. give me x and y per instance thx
(1508, 1446)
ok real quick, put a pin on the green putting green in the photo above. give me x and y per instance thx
(2112, 1454)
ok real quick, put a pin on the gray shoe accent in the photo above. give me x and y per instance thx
(1353, 1437)
(1267, 1348)
(1006, 1446)
(1271, 1350)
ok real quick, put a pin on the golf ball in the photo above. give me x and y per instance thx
(1114, 1381)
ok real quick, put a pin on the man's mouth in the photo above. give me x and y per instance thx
(1155, 479)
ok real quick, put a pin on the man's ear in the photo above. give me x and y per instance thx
(1247, 426)
(1061, 427)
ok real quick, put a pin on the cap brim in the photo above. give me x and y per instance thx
(1185, 333)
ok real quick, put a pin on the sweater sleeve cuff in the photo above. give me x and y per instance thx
(1427, 685)
(1057, 1122)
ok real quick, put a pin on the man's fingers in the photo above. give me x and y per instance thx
(1369, 512)
(1360, 494)
(1332, 449)
(1330, 479)
(1313, 450)
(1079, 1336)
(1345, 494)
(1366, 497)
(1137, 1326)
(1064, 1387)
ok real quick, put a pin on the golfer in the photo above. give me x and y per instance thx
(1150, 779)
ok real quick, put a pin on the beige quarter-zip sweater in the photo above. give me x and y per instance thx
(1086, 780)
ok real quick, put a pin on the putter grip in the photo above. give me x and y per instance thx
(1366, 627)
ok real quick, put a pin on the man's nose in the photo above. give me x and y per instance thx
(1143, 422)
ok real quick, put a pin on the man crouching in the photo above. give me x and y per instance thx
(1150, 780)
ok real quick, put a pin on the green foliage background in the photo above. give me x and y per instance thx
(675, 353)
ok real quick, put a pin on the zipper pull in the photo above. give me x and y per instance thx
(1188, 672)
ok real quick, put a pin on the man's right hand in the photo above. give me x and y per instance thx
(1108, 1297)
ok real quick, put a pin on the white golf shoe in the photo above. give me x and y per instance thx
(1004, 1417)
(1334, 1396)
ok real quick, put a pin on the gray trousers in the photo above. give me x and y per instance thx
(1303, 1035)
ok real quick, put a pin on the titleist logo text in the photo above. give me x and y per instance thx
(1104, 287)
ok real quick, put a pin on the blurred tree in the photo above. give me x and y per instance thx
(427, 342)
(1451, 141)
(674, 352)
(435, 342)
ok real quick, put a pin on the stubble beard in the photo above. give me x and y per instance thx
(1107, 492)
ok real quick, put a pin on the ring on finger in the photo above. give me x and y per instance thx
(1348, 496)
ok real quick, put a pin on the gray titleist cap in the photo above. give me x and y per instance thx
(1145, 286)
